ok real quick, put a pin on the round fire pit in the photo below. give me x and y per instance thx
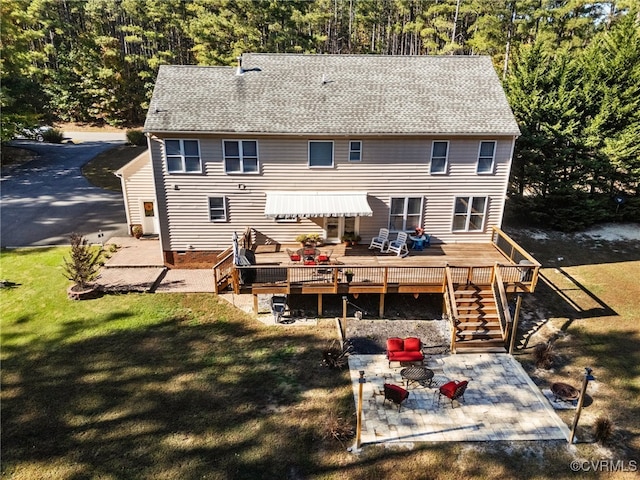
(565, 392)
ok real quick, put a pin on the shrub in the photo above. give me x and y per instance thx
(339, 428)
(53, 136)
(544, 355)
(136, 137)
(603, 429)
(337, 356)
(84, 263)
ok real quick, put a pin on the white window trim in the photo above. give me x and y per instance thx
(225, 206)
(446, 158)
(405, 214)
(493, 158)
(468, 213)
(359, 151)
(333, 157)
(182, 156)
(240, 152)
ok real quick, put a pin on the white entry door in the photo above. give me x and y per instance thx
(335, 227)
(149, 217)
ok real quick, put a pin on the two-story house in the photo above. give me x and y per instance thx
(327, 144)
(285, 144)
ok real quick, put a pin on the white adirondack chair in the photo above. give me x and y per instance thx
(399, 245)
(381, 241)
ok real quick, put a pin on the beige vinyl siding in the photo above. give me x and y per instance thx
(390, 167)
(138, 178)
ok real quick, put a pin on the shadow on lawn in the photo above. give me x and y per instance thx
(176, 399)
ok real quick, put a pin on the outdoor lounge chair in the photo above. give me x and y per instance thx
(381, 241)
(453, 390)
(399, 245)
(395, 393)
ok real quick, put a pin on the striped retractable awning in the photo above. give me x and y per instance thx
(317, 204)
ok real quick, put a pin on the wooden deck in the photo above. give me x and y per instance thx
(375, 272)
(474, 280)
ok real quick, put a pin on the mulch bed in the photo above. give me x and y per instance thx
(405, 316)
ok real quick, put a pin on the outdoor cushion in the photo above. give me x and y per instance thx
(395, 344)
(449, 388)
(295, 257)
(412, 344)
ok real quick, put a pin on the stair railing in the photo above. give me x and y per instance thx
(502, 303)
(450, 305)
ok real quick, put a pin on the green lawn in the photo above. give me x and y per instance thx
(182, 386)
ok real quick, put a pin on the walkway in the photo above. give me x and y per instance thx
(501, 402)
(137, 265)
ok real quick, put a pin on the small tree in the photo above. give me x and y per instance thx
(83, 265)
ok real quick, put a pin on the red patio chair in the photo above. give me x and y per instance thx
(395, 393)
(453, 390)
(294, 256)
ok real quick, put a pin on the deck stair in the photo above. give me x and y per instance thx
(478, 327)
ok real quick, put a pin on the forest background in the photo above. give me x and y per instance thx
(570, 68)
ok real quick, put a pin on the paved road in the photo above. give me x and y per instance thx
(45, 200)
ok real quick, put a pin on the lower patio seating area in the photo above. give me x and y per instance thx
(501, 402)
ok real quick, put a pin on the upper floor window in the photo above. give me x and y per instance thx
(355, 151)
(240, 156)
(485, 157)
(320, 154)
(469, 214)
(183, 156)
(218, 209)
(405, 213)
(439, 155)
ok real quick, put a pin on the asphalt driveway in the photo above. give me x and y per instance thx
(45, 200)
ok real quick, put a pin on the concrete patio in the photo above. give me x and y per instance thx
(501, 402)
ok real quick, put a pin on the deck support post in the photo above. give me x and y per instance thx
(255, 303)
(319, 304)
(381, 306)
(344, 317)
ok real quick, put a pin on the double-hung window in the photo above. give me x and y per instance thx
(469, 214)
(321, 154)
(439, 156)
(240, 156)
(355, 151)
(218, 209)
(405, 213)
(183, 156)
(486, 156)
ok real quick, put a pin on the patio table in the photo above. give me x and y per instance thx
(417, 374)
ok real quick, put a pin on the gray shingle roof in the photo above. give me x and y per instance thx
(361, 94)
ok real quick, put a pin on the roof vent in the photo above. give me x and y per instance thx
(239, 70)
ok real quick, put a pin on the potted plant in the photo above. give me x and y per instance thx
(356, 238)
(136, 230)
(347, 239)
(81, 267)
(349, 275)
(309, 239)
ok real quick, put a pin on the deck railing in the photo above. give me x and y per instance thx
(362, 278)
(525, 268)
(223, 271)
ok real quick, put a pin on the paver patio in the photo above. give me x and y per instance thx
(501, 402)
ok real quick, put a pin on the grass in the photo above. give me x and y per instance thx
(166, 386)
(99, 171)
